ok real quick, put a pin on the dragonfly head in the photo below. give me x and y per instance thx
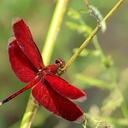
(60, 62)
(53, 68)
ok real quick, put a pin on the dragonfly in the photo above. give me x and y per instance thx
(48, 88)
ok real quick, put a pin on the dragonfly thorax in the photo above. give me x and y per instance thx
(53, 68)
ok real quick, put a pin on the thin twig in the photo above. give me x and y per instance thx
(94, 32)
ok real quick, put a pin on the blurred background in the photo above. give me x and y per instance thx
(101, 70)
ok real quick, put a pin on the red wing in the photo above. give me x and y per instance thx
(64, 88)
(56, 103)
(26, 43)
(20, 64)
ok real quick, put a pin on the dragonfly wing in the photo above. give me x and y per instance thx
(26, 43)
(64, 88)
(20, 64)
(56, 103)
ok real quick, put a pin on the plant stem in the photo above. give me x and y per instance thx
(56, 22)
(90, 37)
(54, 29)
(30, 113)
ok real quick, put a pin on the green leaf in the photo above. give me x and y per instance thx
(74, 14)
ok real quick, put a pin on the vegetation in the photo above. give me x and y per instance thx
(100, 70)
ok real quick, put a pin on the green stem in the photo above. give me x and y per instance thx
(90, 37)
(56, 22)
(30, 113)
(54, 29)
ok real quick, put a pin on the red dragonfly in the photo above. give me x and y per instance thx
(48, 89)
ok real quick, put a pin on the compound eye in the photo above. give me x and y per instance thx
(60, 62)
(57, 61)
